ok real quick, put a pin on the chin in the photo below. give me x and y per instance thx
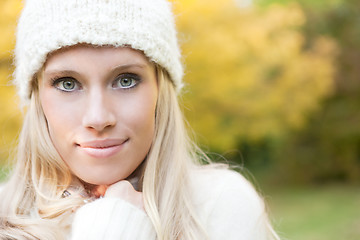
(104, 176)
(101, 180)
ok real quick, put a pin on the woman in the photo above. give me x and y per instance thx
(103, 152)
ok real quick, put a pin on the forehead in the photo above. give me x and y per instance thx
(105, 56)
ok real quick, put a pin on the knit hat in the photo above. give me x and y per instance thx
(48, 25)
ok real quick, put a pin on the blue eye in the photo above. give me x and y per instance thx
(66, 84)
(126, 81)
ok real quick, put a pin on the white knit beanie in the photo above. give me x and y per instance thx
(48, 25)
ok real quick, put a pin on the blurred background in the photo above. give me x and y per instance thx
(272, 86)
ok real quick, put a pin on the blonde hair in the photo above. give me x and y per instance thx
(165, 182)
(32, 207)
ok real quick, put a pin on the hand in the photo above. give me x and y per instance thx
(124, 190)
(99, 191)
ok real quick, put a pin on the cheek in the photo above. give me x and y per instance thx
(143, 116)
(58, 127)
(140, 116)
(61, 118)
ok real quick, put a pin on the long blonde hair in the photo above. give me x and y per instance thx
(32, 207)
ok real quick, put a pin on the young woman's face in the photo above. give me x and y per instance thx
(100, 107)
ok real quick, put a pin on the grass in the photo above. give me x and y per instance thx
(316, 213)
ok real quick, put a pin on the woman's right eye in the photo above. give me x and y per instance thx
(66, 84)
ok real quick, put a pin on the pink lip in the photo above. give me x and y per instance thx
(102, 148)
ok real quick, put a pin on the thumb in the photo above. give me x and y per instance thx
(124, 190)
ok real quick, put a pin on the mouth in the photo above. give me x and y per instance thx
(102, 148)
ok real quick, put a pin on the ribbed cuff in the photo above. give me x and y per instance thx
(111, 219)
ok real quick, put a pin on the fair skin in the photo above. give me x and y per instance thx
(100, 107)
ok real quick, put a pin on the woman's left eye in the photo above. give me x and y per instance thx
(126, 81)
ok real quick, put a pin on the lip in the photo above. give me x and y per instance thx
(102, 148)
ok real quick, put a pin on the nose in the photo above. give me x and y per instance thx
(98, 114)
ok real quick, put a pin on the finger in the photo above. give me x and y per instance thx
(124, 190)
(99, 191)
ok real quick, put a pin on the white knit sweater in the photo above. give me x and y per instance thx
(227, 204)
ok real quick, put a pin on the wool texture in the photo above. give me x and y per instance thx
(225, 202)
(49, 25)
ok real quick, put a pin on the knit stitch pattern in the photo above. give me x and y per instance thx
(49, 25)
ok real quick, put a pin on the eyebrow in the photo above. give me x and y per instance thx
(127, 66)
(62, 72)
(121, 67)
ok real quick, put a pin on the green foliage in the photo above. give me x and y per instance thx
(318, 4)
(329, 148)
(249, 74)
(279, 83)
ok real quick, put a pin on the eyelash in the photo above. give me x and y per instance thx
(57, 80)
(130, 76)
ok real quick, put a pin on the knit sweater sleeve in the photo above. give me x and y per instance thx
(233, 210)
(111, 219)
